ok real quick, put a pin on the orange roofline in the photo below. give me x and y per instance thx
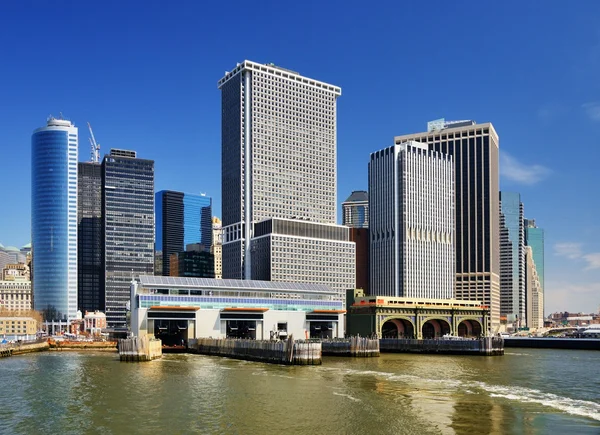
(164, 308)
(245, 309)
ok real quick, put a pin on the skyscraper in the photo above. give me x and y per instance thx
(128, 218)
(355, 210)
(54, 219)
(512, 259)
(217, 247)
(279, 162)
(474, 148)
(181, 219)
(534, 239)
(411, 198)
(534, 293)
(90, 246)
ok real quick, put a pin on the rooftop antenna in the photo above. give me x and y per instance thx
(95, 152)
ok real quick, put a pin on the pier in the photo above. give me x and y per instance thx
(485, 346)
(360, 347)
(139, 349)
(287, 352)
(554, 343)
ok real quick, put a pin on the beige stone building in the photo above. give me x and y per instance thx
(217, 247)
(17, 327)
(15, 295)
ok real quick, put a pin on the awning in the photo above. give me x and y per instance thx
(165, 308)
(248, 309)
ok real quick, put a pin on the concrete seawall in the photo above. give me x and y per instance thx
(351, 347)
(486, 346)
(276, 352)
(21, 349)
(554, 343)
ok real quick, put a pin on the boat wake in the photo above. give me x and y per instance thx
(347, 396)
(583, 408)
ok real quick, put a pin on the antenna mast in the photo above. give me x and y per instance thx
(95, 153)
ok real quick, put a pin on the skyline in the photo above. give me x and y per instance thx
(541, 93)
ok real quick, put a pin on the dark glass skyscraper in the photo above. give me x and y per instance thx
(54, 219)
(181, 219)
(474, 148)
(90, 275)
(128, 216)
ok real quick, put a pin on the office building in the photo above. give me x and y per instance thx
(15, 295)
(193, 262)
(54, 219)
(512, 259)
(18, 328)
(474, 149)
(534, 237)
(217, 247)
(289, 250)
(411, 222)
(355, 210)
(128, 224)
(15, 272)
(12, 255)
(534, 293)
(278, 162)
(90, 275)
(360, 237)
(181, 219)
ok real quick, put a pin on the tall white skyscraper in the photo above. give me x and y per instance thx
(474, 149)
(279, 162)
(411, 218)
(54, 219)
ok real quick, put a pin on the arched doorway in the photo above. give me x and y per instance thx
(435, 328)
(469, 328)
(397, 328)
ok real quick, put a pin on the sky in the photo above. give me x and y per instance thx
(144, 74)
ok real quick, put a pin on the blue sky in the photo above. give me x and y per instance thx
(145, 76)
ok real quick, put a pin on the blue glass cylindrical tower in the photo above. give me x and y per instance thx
(54, 219)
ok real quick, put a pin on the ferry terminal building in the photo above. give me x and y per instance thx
(177, 310)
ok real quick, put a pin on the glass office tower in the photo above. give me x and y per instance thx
(128, 222)
(512, 259)
(182, 219)
(90, 275)
(54, 219)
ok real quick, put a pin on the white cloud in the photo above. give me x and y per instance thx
(592, 110)
(593, 260)
(574, 251)
(512, 169)
(569, 250)
(551, 111)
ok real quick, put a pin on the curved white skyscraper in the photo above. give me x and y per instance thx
(54, 219)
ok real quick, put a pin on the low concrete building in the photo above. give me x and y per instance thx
(180, 309)
(17, 328)
(394, 317)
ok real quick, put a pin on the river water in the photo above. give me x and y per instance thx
(526, 391)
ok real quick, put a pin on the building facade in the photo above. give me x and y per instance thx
(534, 237)
(512, 259)
(224, 308)
(474, 149)
(128, 223)
(192, 263)
(361, 239)
(54, 219)
(217, 247)
(289, 250)
(18, 328)
(16, 272)
(355, 210)
(278, 154)
(16, 295)
(411, 197)
(535, 294)
(90, 246)
(181, 219)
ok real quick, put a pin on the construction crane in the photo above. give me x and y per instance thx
(95, 154)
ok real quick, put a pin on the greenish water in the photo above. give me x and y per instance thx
(527, 391)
